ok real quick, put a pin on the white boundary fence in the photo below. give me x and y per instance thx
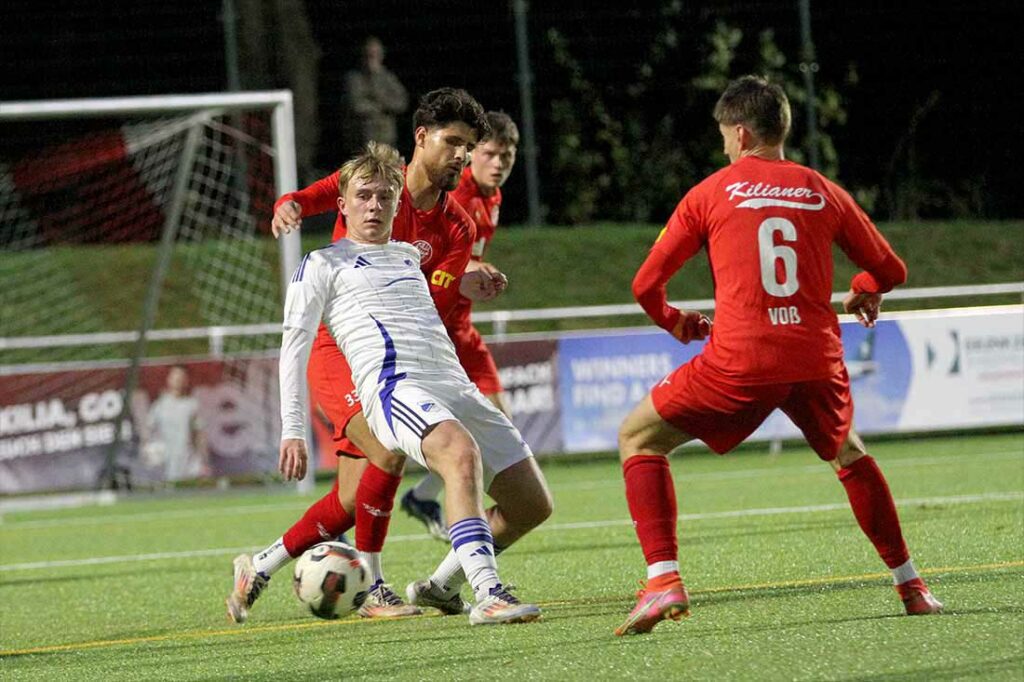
(498, 318)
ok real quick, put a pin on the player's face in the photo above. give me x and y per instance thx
(369, 207)
(177, 381)
(492, 162)
(731, 140)
(444, 152)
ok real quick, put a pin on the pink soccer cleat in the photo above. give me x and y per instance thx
(917, 600)
(661, 599)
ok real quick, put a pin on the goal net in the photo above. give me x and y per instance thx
(141, 288)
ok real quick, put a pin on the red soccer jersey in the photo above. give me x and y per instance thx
(445, 235)
(483, 210)
(768, 227)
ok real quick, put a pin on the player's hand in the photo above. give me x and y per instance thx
(293, 460)
(865, 307)
(287, 217)
(478, 285)
(692, 326)
(499, 278)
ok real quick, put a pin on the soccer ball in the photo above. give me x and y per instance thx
(331, 579)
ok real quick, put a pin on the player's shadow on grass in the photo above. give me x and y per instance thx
(701, 598)
(699, 538)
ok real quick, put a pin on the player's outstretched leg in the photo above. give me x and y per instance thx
(451, 451)
(377, 479)
(323, 521)
(875, 511)
(375, 497)
(420, 502)
(523, 502)
(644, 441)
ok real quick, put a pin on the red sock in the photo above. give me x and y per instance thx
(652, 504)
(323, 521)
(875, 511)
(375, 498)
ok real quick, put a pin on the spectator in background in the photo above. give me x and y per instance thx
(174, 431)
(373, 98)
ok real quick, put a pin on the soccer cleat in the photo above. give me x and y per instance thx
(427, 512)
(382, 602)
(500, 607)
(425, 593)
(248, 586)
(917, 600)
(653, 605)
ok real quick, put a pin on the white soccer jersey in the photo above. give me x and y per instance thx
(375, 302)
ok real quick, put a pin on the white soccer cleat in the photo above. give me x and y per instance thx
(248, 586)
(383, 602)
(425, 593)
(500, 607)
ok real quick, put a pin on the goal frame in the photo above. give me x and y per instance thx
(278, 102)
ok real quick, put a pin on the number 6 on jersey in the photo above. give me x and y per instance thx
(770, 253)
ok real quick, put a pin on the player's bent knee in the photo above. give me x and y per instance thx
(851, 450)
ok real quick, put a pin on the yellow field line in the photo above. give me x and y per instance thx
(287, 627)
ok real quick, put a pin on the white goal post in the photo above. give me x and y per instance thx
(183, 184)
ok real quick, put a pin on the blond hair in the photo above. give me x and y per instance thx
(377, 160)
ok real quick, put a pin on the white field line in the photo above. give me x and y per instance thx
(1012, 496)
(613, 482)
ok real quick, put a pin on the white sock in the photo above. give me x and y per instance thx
(372, 560)
(661, 568)
(449, 576)
(272, 559)
(474, 546)
(429, 487)
(904, 572)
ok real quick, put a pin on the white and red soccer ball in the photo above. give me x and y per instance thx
(331, 579)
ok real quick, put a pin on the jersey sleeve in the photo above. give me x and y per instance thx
(320, 197)
(867, 248)
(683, 236)
(444, 280)
(295, 348)
(307, 294)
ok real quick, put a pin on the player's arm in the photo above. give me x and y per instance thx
(320, 197)
(676, 244)
(488, 283)
(304, 305)
(882, 269)
(446, 280)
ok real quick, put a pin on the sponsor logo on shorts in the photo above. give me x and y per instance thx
(426, 407)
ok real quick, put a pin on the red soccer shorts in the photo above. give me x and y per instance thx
(702, 404)
(476, 359)
(330, 382)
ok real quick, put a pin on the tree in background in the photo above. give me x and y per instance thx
(629, 153)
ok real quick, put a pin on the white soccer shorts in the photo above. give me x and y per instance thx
(400, 419)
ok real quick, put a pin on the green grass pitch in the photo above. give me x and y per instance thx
(784, 585)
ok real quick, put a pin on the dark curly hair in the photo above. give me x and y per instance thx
(444, 106)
